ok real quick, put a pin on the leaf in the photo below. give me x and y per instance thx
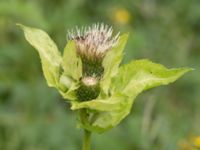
(48, 52)
(71, 62)
(104, 113)
(111, 62)
(70, 93)
(65, 83)
(141, 75)
(131, 80)
(108, 104)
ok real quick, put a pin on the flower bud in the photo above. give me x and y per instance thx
(89, 89)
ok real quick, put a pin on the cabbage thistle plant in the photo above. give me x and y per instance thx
(88, 75)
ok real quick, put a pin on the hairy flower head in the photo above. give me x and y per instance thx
(93, 41)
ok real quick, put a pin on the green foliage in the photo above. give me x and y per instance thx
(53, 64)
(71, 63)
(141, 75)
(111, 62)
(131, 80)
(48, 51)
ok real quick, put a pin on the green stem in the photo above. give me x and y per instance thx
(87, 134)
(86, 140)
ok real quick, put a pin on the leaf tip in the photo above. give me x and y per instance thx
(185, 70)
(125, 35)
(20, 25)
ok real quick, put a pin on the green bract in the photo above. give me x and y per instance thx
(119, 85)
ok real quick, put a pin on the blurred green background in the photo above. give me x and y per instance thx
(35, 117)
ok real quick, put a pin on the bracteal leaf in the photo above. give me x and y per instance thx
(104, 114)
(112, 61)
(108, 104)
(71, 62)
(130, 81)
(143, 74)
(48, 52)
(70, 93)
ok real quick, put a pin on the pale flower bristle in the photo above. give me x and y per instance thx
(93, 41)
(90, 81)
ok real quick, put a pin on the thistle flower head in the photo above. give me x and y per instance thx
(93, 41)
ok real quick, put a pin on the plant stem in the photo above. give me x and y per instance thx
(87, 134)
(86, 140)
